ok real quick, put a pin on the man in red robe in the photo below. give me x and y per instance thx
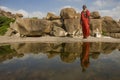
(85, 22)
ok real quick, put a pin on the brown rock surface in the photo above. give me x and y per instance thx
(51, 16)
(109, 25)
(67, 13)
(95, 15)
(32, 27)
(72, 25)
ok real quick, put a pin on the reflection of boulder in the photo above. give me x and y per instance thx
(73, 48)
(7, 53)
(56, 49)
(107, 48)
(70, 52)
(95, 55)
(68, 57)
(31, 47)
(95, 47)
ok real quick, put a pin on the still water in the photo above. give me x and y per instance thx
(60, 61)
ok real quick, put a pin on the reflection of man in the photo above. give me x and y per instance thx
(85, 21)
(85, 55)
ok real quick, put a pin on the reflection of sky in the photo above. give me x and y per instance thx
(38, 66)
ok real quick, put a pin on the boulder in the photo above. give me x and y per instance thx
(67, 13)
(31, 27)
(51, 16)
(57, 23)
(10, 15)
(115, 35)
(119, 21)
(77, 16)
(58, 32)
(95, 15)
(18, 15)
(72, 26)
(96, 27)
(10, 32)
(109, 25)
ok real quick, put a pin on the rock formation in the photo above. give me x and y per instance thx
(67, 24)
(110, 27)
(95, 15)
(10, 15)
(31, 27)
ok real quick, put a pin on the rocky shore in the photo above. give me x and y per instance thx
(48, 39)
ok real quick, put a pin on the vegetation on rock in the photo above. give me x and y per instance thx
(4, 24)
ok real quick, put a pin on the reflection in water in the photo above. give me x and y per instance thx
(85, 55)
(60, 61)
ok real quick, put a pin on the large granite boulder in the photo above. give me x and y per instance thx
(109, 25)
(119, 22)
(57, 22)
(72, 26)
(115, 35)
(58, 32)
(95, 15)
(31, 27)
(67, 13)
(96, 27)
(10, 15)
(18, 15)
(51, 16)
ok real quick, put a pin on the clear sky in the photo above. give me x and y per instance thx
(40, 8)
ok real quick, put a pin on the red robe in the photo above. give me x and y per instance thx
(85, 23)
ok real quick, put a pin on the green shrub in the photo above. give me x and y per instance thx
(4, 24)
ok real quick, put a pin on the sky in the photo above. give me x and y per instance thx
(40, 8)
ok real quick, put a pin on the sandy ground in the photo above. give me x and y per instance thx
(47, 39)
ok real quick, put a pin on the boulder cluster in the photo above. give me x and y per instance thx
(10, 15)
(66, 24)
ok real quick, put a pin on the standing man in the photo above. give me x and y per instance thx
(85, 22)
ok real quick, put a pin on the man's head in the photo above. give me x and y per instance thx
(84, 7)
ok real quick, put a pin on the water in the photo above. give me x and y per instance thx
(60, 61)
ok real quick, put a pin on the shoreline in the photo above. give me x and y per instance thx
(47, 39)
